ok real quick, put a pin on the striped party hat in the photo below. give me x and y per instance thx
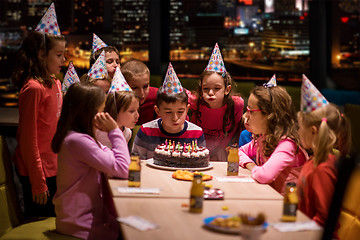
(171, 84)
(48, 23)
(70, 77)
(311, 98)
(216, 62)
(119, 83)
(98, 69)
(97, 43)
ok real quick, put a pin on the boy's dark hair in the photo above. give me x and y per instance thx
(170, 98)
(107, 49)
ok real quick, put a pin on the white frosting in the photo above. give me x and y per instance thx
(194, 154)
(186, 154)
(176, 154)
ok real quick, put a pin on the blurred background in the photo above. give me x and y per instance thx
(257, 38)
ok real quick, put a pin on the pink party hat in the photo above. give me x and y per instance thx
(70, 77)
(271, 82)
(119, 83)
(171, 84)
(216, 62)
(98, 69)
(97, 43)
(48, 23)
(311, 98)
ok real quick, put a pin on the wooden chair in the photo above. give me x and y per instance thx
(12, 225)
(344, 212)
(352, 111)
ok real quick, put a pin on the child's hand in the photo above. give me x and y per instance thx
(41, 198)
(104, 122)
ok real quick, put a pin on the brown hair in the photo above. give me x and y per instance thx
(107, 49)
(81, 103)
(229, 115)
(277, 105)
(134, 67)
(119, 101)
(28, 64)
(86, 79)
(334, 131)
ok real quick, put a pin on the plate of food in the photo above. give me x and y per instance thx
(223, 223)
(232, 224)
(189, 175)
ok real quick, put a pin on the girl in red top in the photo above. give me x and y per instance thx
(214, 108)
(321, 131)
(41, 56)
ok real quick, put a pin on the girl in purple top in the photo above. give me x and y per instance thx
(79, 201)
(272, 120)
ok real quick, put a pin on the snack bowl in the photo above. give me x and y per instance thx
(252, 232)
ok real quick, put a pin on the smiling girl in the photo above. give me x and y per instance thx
(40, 57)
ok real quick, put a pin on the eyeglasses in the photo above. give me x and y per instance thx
(252, 110)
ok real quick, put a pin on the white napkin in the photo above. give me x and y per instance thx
(296, 226)
(138, 223)
(235, 179)
(138, 190)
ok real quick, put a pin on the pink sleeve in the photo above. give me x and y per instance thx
(28, 111)
(282, 157)
(246, 153)
(113, 161)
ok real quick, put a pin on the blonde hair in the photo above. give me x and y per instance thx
(334, 131)
(277, 105)
(134, 67)
(86, 79)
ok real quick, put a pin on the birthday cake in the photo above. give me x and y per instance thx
(181, 156)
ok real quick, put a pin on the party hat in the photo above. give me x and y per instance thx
(97, 43)
(271, 82)
(216, 62)
(311, 98)
(48, 23)
(98, 69)
(171, 82)
(119, 83)
(70, 77)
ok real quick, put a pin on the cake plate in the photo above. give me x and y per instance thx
(150, 162)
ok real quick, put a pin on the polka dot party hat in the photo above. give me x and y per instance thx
(171, 84)
(216, 62)
(311, 98)
(98, 69)
(48, 23)
(119, 83)
(97, 43)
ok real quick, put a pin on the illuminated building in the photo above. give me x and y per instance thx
(130, 23)
(88, 16)
(287, 34)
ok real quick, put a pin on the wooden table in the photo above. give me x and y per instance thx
(176, 222)
(172, 188)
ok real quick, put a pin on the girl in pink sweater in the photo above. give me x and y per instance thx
(321, 131)
(272, 120)
(40, 57)
(80, 201)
